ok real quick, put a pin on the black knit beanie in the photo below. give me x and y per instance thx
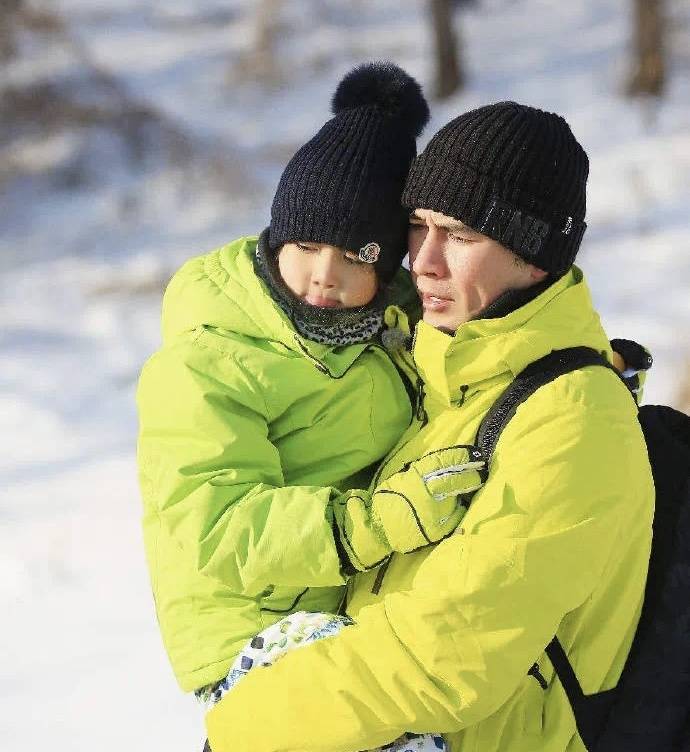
(512, 172)
(343, 187)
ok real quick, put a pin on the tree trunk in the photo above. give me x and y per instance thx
(9, 10)
(260, 62)
(449, 73)
(648, 70)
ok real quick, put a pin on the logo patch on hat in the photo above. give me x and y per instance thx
(515, 229)
(369, 253)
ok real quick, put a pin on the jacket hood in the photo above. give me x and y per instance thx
(221, 290)
(562, 316)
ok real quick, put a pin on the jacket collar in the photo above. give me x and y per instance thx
(236, 277)
(485, 350)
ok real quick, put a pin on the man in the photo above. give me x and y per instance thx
(450, 637)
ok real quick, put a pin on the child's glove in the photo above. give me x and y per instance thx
(420, 505)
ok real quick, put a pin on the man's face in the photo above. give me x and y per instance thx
(458, 271)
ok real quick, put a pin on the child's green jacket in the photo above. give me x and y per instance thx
(246, 432)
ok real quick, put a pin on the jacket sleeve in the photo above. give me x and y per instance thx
(210, 472)
(450, 651)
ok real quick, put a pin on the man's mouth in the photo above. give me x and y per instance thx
(434, 302)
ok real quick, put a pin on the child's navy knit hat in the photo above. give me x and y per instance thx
(343, 187)
(512, 172)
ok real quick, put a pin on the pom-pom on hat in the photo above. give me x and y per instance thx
(344, 186)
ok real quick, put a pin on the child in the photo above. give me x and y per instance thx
(272, 394)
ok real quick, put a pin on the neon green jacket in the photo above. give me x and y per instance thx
(556, 541)
(246, 429)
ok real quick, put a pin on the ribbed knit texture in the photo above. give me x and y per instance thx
(343, 187)
(526, 159)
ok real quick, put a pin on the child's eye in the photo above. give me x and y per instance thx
(353, 258)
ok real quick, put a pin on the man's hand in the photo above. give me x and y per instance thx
(420, 505)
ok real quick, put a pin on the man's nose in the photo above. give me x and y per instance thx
(326, 269)
(429, 259)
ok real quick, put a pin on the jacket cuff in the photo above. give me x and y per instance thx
(363, 546)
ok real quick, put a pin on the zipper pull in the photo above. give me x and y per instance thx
(393, 339)
(376, 588)
(536, 673)
(420, 413)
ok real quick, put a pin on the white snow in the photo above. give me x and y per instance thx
(89, 236)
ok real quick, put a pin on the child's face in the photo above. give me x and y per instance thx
(327, 276)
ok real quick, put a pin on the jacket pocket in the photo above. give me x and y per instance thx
(281, 600)
(457, 470)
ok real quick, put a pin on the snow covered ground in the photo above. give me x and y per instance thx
(82, 266)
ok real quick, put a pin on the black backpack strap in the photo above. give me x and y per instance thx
(562, 667)
(591, 711)
(589, 720)
(537, 374)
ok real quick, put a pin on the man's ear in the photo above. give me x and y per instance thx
(536, 274)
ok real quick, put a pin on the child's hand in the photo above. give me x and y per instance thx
(425, 502)
(420, 505)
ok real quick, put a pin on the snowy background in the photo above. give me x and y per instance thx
(134, 134)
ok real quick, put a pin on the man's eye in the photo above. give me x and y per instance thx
(416, 226)
(306, 248)
(459, 238)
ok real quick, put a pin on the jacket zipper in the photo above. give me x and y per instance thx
(423, 418)
(420, 412)
(316, 362)
(423, 422)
